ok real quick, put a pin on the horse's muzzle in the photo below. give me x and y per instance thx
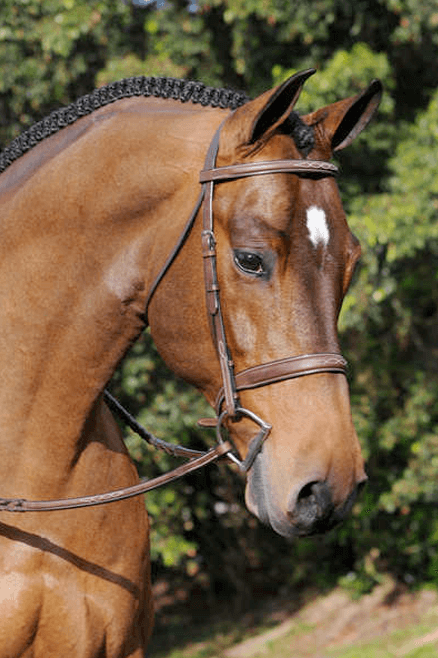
(310, 508)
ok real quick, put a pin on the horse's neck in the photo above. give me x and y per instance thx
(83, 238)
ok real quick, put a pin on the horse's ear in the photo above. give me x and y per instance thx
(274, 106)
(257, 119)
(344, 120)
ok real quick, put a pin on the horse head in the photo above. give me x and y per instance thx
(284, 257)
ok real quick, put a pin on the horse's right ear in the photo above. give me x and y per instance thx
(256, 120)
(341, 122)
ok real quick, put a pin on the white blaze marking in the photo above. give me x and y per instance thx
(317, 226)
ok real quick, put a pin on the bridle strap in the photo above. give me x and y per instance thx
(23, 505)
(283, 369)
(169, 448)
(308, 168)
(214, 310)
(174, 253)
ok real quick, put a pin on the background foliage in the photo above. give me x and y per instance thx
(54, 51)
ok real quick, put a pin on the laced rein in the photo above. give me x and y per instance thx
(227, 397)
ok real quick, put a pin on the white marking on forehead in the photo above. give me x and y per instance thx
(317, 226)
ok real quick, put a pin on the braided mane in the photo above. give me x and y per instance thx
(182, 90)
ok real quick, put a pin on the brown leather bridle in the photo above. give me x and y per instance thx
(227, 402)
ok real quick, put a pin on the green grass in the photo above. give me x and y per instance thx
(212, 641)
(387, 646)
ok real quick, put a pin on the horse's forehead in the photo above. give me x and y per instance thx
(280, 203)
(274, 201)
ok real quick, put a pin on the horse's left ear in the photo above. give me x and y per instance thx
(344, 120)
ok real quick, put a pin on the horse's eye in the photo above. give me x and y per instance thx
(249, 262)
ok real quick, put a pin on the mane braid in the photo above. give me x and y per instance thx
(301, 133)
(182, 90)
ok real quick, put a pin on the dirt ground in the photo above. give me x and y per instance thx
(334, 621)
(338, 621)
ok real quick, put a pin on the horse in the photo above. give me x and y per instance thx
(104, 232)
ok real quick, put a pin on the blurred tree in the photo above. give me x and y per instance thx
(51, 51)
(392, 330)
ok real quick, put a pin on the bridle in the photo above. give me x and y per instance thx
(227, 403)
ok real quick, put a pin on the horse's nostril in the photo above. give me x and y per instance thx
(313, 508)
(316, 496)
(307, 491)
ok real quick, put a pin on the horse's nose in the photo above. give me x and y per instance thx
(313, 511)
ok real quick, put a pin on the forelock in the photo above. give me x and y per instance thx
(301, 133)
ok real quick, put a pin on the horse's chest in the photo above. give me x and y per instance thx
(49, 608)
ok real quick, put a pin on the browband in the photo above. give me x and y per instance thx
(303, 167)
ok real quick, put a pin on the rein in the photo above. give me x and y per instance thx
(227, 402)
